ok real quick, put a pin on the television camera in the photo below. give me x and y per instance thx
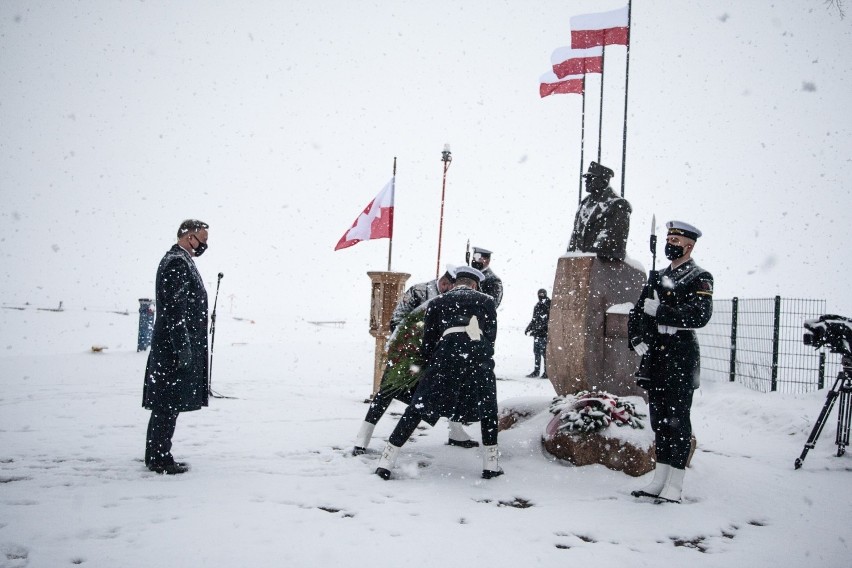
(835, 333)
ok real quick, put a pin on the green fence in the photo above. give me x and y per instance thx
(758, 343)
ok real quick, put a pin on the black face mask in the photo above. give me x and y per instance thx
(673, 252)
(199, 250)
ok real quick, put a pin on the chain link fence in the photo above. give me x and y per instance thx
(758, 343)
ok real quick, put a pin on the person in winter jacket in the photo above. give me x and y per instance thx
(176, 373)
(537, 328)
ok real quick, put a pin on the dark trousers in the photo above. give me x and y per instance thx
(675, 366)
(411, 419)
(539, 352)
(382, 399)
(158, 445)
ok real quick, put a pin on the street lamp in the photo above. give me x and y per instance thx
(446, 158)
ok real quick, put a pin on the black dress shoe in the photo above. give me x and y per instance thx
(640, 493)
(463, 443)
(532, 375)
(490, 474)
(544, 375)
(175, 468)
(358, 450)
(383, 473)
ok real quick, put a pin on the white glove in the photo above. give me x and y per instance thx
(641, 349)
(651, 305)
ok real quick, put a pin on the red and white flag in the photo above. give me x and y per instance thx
(567, 61)
(376, 222)
(601, 28)
(550, 84)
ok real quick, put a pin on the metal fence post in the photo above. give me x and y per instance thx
(734, 308)
(821, 378)
(776, 334)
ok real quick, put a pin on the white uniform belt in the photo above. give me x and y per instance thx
(670, 330)
(457, 329)
(471, 329)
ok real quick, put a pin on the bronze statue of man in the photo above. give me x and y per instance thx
(603, 218)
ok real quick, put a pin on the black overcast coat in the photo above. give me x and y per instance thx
(458, 380)
(181, 321)
(540, 318)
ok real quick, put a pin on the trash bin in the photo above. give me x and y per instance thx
(146, 323)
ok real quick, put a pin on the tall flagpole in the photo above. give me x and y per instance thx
(393, 200)
(582, 139)
(626, 83)
(600, 119)
(447, 158)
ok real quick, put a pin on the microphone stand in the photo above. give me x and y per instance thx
(210, 390)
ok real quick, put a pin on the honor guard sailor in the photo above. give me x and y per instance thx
(681, 302)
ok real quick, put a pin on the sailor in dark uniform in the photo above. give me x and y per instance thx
(415, 298)
(491, 283)
(682, 302)
(460, 328)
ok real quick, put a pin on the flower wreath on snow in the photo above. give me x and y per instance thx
(404, 360)
(592, 411)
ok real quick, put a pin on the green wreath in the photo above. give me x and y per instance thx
(404, 361)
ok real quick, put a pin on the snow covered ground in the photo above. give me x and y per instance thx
(273, 482)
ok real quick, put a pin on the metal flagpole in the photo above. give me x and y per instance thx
(626, 83)
(393, 201)
(582, 140)
(600, 119)
(447, 158)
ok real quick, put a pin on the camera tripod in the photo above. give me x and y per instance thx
(842, 389)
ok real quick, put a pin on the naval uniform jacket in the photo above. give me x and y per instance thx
(181, 322)
(415, 296)
(493, 286)
(458, 380)
(686, 303)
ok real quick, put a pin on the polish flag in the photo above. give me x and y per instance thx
(567, 61)
(601, 28)
(376, 222)
(550, 84)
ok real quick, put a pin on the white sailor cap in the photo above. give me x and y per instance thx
(481, 251)
(683, 229)
(465, 271)
(450, 273)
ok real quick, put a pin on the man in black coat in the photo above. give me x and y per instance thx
(682, 303)
(176, 374)
(460, 328)
(602, 221)
(537, 328)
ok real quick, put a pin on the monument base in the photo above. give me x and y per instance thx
(587, 331)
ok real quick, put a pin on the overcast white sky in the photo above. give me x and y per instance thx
(278, 122)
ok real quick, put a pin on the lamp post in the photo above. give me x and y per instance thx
(447, 158)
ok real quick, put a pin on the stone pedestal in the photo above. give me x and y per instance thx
(587, 346)
(385, 291)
